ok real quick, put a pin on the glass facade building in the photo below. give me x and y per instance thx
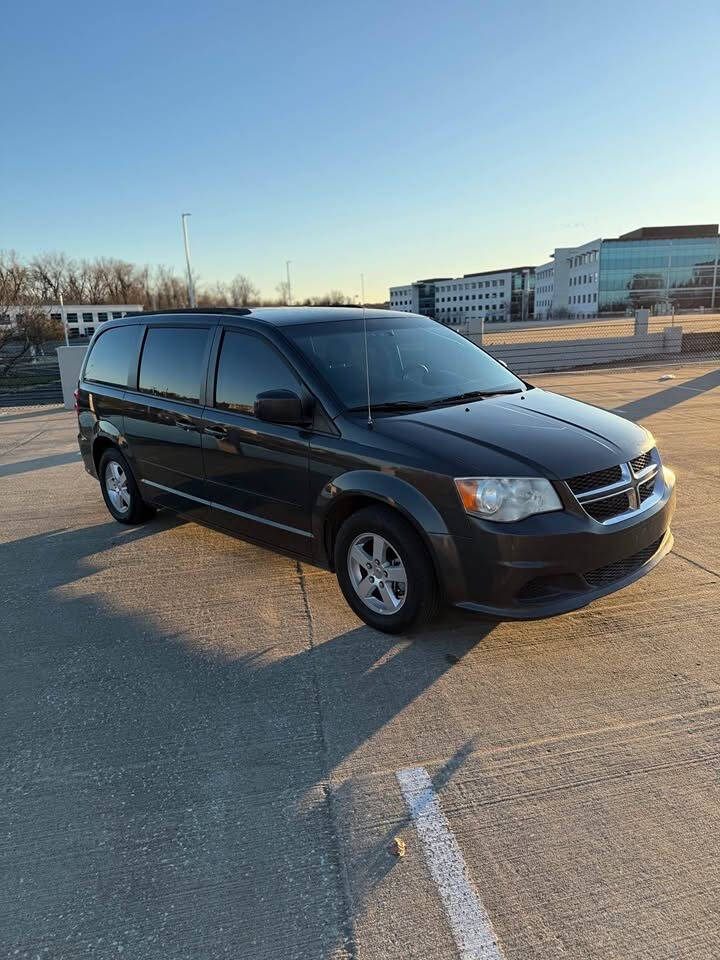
(662, 267)
(522, 296)
(647, 268)
(426, 298)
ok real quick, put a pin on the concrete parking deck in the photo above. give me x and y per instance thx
(200, 743)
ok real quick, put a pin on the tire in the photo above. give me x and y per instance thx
(119, 487)
(373, 549)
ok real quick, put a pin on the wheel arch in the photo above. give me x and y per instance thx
(102, 443)
(353, 491)
(105, 436)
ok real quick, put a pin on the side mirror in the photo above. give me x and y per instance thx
(281, 406)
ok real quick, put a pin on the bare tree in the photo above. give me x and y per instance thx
(116, 281)
(76, 283)
(214, 296)
(49, 276)
(14, 280)
(146, 291)
(283, 290)
(338, 298)
(39, 327)
(93, 281)
(335, 298)
(169, 290)
(243, 293)
(21, 331)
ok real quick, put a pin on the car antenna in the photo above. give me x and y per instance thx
(367, 368)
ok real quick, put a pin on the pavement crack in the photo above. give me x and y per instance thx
(682, 556)
(326, 785)
(306, 604)
(22, 443)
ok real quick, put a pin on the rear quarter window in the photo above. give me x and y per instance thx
(111, 355)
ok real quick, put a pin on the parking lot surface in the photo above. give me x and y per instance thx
(204, 754)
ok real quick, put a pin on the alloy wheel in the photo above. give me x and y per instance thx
(377, 573)
(117, 486)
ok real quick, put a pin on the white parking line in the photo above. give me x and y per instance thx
(469, 922)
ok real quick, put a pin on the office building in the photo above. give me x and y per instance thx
(568, 285)
(655, 267)
(492, 296)
(418, 297)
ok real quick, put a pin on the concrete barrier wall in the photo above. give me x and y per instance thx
(70, 360)
(540, 356)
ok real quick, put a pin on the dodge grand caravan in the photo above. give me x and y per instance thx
(460, 484)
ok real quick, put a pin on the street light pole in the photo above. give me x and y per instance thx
(287, 271)
(62, 317)
(191, 286)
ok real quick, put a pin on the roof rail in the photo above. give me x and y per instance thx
(232, 311)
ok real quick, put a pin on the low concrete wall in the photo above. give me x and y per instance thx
(540, 356)
(70, 360)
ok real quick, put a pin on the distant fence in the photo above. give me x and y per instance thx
(529, 349)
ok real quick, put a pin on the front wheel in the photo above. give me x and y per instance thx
(384, 570)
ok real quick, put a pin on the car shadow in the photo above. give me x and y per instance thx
(661, 400)
(39, 463)
(45, 412)
(168, 798)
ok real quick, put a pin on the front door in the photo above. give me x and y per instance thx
(256, 472)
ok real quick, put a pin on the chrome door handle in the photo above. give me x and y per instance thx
(219, 432)
(185, 423)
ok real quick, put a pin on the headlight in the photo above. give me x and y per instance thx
(505, 499)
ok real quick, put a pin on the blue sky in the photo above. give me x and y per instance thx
(401, 139)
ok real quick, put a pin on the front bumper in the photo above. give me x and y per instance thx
(556, 562)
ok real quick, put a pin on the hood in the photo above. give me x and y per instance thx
(537, 430)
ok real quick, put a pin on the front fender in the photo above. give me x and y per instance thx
(384, 488)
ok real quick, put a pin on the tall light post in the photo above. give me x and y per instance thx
(64, 323)
(287, 273)
(191, 285)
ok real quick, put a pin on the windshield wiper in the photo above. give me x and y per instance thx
(394, 405)
(426, 404)
(474, 395)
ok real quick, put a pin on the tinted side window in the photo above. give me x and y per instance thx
(173, 362)
(247, 366)
(110, 357)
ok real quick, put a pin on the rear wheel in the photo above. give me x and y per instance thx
(384, 570)
(119, 489)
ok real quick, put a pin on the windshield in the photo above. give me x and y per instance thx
(412, 360)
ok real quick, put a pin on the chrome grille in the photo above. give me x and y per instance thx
(646, 489)
(638, 464)
(608, 574)
(608, 507)
(615, 492)
(591, 481)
